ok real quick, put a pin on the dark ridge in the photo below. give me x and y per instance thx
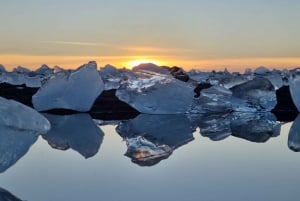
(285, 116)
(284, 100)
(199, 87)
(108, 107)
(61, 111)
(20, 93)
(179, 74)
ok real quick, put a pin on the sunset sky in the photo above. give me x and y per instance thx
(189, 33)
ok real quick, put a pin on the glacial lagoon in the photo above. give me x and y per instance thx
(85, 159)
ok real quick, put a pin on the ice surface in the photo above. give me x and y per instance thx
(14, 144)
(78, 132)
(151, 138)
(19, 116)
(44, 70)
(276, 79)
(75, 90)
(255, 95)
(254, 127)
(294, 135)
(295, 88)
(149, 67)
(113, 77)
(15, 78)
(155, 93)
(2, 69)
(261, 70)
(215, 99)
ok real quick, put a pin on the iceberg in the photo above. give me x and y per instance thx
(295, 88)
(74, 90)
(156, 93)
(151, 138)
(18, 116)
(254, 127)
(78, 132)
(14, 144)
(294, 135)
(254, 96)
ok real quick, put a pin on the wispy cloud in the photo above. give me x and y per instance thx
(157, 49)
(70, 43)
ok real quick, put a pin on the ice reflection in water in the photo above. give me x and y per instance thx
(7, 196)
(77, 131)
(294, 135)
(14, 144)
(151, 138)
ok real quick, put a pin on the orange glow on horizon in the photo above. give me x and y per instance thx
(72, 62)
(137, 62)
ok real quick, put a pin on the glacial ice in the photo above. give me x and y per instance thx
(75, 90)
(295, 88)
(254, 96)
(215, 99)
(261, 70)
(151, 138)
(14, 144)
(254, 127)
(78, 132)
(155, 93)
(15, 78)
(113, 77)
(18, 116)
(294, 135)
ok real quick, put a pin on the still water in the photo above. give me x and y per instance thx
(75, 162)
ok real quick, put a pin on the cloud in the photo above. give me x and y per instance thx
(70, 43)
(156, 49)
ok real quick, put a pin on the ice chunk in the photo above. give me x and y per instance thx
(44, 70)
(254, 127)
(21, 70)
(2, 69)
(261, 70)
(295, 88)
(255, 95)
(294, 135)
(276, 79)
(113, 78)
(74, 90)
(14, 144)
(15, 78)
(154, 93)
(151, 138)
(78, 132)
(198, 76)
(149, 67)
(215, 99)
(19, 116)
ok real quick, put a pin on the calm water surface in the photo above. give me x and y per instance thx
(229, 169)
